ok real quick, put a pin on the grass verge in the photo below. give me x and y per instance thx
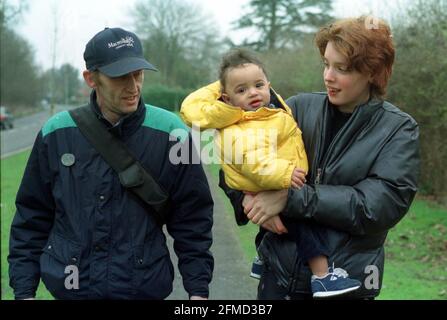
(12, 169)
(416, 249)
(416, 252)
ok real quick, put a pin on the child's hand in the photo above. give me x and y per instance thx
(247, 201)
(298, 178)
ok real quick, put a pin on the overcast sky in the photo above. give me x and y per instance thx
(79, 20)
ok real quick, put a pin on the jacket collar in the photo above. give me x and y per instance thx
(359, 118)
(276, 101)
(362, 113)
(127, 125)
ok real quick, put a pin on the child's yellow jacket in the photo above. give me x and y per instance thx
(258, 149)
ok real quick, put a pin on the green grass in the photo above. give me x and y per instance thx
(416, 252)
(246, 233)
(11, 174)
(416, 249)
(416, 255)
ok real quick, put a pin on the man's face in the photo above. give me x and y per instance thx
(119, 96)
(247, 87)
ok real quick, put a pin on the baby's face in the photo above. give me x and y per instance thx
(247, 87)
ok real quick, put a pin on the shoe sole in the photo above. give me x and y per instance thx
(333, 293)
(256, 276)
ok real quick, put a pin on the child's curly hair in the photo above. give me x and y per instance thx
(236, 58)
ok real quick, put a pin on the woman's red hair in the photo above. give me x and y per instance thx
(367, 45)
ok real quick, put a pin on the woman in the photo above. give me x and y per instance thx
(363, 154)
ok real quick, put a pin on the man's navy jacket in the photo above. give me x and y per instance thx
(77, 217)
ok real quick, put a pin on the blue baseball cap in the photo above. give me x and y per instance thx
(115, 52)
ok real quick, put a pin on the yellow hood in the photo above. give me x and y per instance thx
(245, 142)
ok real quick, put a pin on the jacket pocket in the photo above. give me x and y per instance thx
(153, 270)
(59, 266)
(280, 255)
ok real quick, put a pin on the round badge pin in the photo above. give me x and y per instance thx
(68, 159)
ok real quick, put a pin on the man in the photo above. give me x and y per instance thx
(78, 228)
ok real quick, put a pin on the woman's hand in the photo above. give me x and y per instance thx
(275, 225)
(264, 205)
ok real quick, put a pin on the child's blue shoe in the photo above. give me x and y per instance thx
(256, 268)
(335, 283)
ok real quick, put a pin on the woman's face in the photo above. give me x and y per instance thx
(346, 88)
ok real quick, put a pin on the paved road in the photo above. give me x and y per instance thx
(231, 280)
(24, 132)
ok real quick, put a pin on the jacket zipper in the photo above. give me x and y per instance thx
(328, 152)
(318, 177)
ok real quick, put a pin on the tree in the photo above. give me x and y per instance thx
(179, 40)
(10, 12)
(52, 79)
(418, 84)
(291, 71)
(19, 79)
(66, 84)
(281, 23)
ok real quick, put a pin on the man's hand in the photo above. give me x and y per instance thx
(248, 199)
(264, 205)
(298, 178)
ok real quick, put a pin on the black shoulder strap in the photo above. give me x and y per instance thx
(131, 174)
